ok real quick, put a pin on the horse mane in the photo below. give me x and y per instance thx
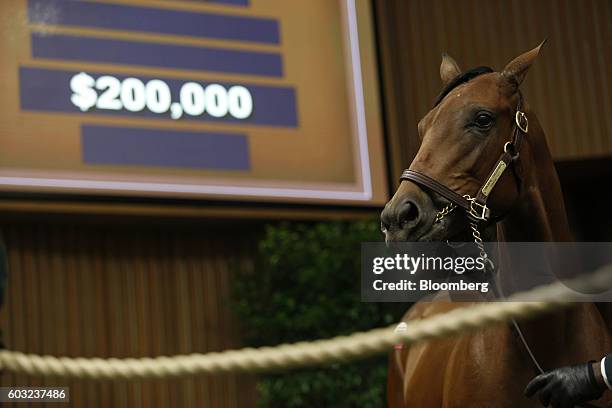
(462, 78)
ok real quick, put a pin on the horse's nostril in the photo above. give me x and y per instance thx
(384, 227)
(409, 214)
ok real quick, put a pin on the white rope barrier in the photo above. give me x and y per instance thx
(287, 356)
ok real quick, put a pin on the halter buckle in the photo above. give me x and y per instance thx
(509, 148)
(521, 121)
(479, 211)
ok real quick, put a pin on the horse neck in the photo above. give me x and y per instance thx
(539, 216)
(539, 213)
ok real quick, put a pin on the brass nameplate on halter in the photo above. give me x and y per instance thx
(499, 170)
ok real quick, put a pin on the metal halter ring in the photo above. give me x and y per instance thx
(509, 148)
(478, 213)
(521, 121)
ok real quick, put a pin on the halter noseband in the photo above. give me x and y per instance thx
(476, 207)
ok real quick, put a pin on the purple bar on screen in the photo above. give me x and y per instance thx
(48, 90)
(153, 20)
(164, 148)
(140, 53)
(231, 2)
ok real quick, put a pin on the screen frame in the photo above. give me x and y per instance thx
(372, 179)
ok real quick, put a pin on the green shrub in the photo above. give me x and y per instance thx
(305, 285)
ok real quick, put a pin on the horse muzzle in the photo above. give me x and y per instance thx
(408, 215)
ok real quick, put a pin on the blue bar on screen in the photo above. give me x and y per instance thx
(154, 20)
(140, 53)
(164, 148)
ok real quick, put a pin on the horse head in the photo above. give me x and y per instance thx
(462, 137)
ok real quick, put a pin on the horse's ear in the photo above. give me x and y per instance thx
(448, 68)
(516, 69)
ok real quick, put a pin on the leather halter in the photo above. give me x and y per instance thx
(476, 207)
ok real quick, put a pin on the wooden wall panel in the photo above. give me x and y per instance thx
(126, 291)
(568, 87)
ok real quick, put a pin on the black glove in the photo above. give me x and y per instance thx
(566, 386)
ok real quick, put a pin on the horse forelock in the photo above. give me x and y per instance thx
(462, 78)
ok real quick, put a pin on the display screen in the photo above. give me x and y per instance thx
(250, 100)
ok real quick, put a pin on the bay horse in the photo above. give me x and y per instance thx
(473, 122)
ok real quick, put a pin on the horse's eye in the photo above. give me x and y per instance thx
(484, 120)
